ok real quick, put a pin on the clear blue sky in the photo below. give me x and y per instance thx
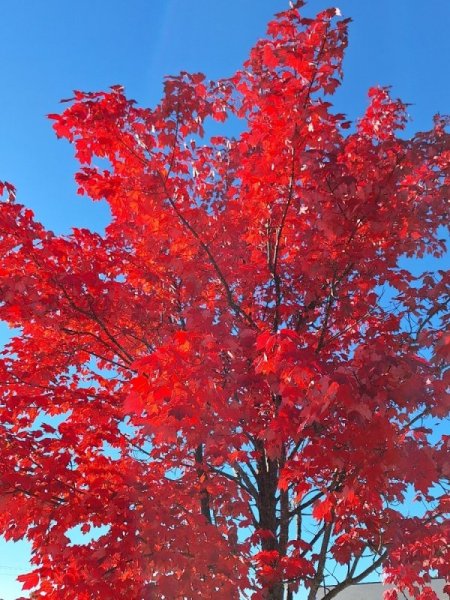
(49, 48)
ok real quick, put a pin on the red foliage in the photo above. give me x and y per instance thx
(219, 380)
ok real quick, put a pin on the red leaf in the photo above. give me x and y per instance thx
(29, 580)
(133, 403)
(322, 510)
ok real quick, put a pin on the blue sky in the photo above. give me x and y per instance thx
(51, 47)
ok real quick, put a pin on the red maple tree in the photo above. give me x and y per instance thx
(231, 380)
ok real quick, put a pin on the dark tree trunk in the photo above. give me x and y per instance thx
(205, 508)
(268, 473)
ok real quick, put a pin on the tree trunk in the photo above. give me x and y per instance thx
(205, 508)
(268, 472)
(276, 592)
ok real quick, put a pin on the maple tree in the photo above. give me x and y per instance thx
(230, 381)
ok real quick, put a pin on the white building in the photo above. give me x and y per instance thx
(374, 591)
